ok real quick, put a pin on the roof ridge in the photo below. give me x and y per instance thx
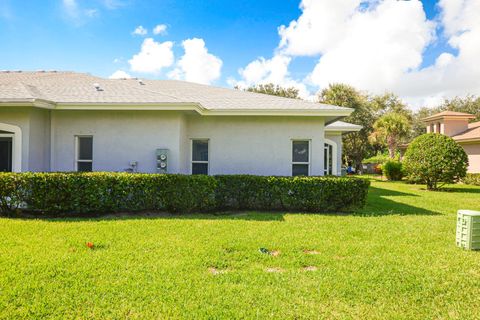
(258, 94)
(149, 90)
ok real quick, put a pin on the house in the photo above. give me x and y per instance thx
(67, 121)
(456, 125)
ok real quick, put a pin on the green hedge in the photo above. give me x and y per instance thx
(78, 194)
(472, 179)
(392, 169)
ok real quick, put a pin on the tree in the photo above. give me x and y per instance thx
(389, 130)
(356, 146)
(469, 104)
(434, 158)
(389, 102)
(275, 90)
(418, 126)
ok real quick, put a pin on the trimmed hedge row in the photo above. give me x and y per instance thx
(105, 192)
(472, 179)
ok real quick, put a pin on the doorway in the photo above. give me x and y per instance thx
(6, 148)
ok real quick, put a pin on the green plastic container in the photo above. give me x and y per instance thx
(468, 229)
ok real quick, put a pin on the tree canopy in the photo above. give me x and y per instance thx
(275, 90)
(356, 146)
(390, 129)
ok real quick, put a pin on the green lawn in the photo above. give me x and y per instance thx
(394, 259)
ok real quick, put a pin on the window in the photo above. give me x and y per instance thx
(300, 158)
(199, 156)
(84, 153)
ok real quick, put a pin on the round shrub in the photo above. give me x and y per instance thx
(393, 170)
(434, 158)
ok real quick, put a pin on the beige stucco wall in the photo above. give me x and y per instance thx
(453, 127)
(473, 152)
(119, 137)
(39, 140)
(250, 145)
(35, 127)
(257, 145)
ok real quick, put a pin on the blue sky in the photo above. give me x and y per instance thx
(96, 36)
(40, 35)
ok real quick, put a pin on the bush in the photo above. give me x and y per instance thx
(378, 159)
(435, 158)
(472, 179)
(393, 170)
(101, 192)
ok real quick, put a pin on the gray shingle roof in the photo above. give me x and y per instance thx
(78, 88)
(71, 87)
(342, 126)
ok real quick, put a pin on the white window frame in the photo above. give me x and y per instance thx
(77, 151)
(191, 154)
(309, 155)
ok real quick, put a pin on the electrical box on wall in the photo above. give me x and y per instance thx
(162, 160)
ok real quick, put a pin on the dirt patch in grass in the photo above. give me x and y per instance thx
(310, 268)
(216, 271)
(274, 270)
(275, 253)
(311, 252)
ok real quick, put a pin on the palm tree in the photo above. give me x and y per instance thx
(389, 130)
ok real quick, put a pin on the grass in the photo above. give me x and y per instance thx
(394, 259)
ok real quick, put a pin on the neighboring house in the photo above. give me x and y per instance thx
(456, 125)
(66, 121)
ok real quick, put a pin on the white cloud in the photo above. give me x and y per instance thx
(113, 4)
(120, 74)
(140, 31)
(378, 45)
(75, 14)
(371, 48)
(153, 57)
(71, 8)
(451, 75)
(160, 29)
(197, 64)
(275, 70)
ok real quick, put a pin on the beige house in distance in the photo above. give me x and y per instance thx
(456, 125)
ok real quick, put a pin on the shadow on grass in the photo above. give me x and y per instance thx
(236, 215)
(459, 190)
(379, 205)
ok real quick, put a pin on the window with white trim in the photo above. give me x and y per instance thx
(300, 157)
(84, 153)
(200, 156)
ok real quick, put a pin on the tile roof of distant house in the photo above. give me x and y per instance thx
(83, 89)
(472, 134)
(450, 114)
